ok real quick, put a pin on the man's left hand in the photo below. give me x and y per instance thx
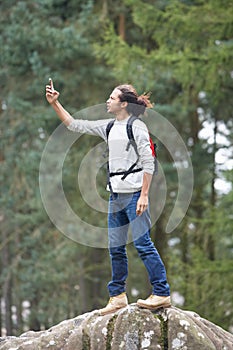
(142, 204)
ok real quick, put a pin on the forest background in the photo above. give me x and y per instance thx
(182, 52)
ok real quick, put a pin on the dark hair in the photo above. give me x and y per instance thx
(136, 104)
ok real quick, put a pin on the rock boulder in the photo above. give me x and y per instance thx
(130, 328)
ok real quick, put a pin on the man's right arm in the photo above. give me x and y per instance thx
(52, 97)
(91, 127)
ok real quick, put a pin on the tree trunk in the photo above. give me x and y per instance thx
(6, 290)
(0, 314)
(194, 117)
(7, 299)
(213, 191)
(82, 285)
(19, 324)
(121, 26)
(95, 285)
(34, 323)
(104, 12)
(210, 238)
(185, 263)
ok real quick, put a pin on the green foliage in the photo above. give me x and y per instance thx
(39, 40)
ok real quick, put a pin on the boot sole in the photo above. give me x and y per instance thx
(162, 306)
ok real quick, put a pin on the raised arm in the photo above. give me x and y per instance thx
(52, 98)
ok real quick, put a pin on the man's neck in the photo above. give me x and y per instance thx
(122, 115)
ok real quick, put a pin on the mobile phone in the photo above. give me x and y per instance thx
(51, 83)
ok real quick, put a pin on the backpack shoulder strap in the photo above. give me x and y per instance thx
(129, 128)
(109, 127)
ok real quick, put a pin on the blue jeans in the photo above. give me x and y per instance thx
(121, 215)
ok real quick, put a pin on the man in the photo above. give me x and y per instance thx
(130, 174)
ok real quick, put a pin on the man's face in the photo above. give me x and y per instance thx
(113, 103)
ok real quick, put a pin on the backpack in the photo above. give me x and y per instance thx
(131, 142)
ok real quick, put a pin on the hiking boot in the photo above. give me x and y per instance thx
(114, 304)
(154, 302)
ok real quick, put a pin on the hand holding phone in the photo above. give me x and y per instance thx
(51, 93)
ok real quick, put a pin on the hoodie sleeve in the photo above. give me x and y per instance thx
(142, 139)
(91, 127)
